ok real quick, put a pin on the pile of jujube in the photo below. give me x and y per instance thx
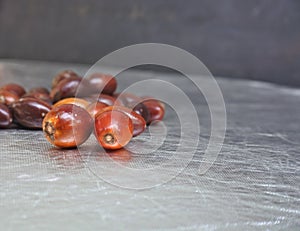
(76, 107)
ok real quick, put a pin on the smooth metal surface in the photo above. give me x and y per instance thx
(253, 185)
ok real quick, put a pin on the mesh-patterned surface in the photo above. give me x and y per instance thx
(254, 183)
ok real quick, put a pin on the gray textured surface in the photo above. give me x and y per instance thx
(253, 185)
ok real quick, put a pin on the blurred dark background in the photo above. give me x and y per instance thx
(257, 39)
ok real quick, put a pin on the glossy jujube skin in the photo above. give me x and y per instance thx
(155, 108)
(65, 89)
(138, 122)
(30, 112)
(102, 83)
(66, 74)
(39, 95)
(75, 101)
(5, 116)
(113, 129)
(95, 107)
(7, 97)
(134, 102)
(39, 90)
(14, 88)
(67, 126)
(127, 98)
(103, 98)
(140, 109)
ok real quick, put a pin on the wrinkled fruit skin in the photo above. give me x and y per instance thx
(5, 116)
(113, 129)
(67, 126)
(30, 112)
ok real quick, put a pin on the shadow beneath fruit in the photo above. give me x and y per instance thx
(98, 154)
(87, 155)
(121, 155)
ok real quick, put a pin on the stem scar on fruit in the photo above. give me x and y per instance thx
(49, 130)
(109, 139)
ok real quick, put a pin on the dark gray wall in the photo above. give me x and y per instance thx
(258, 39)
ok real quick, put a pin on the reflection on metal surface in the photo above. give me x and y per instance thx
(254, 183)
